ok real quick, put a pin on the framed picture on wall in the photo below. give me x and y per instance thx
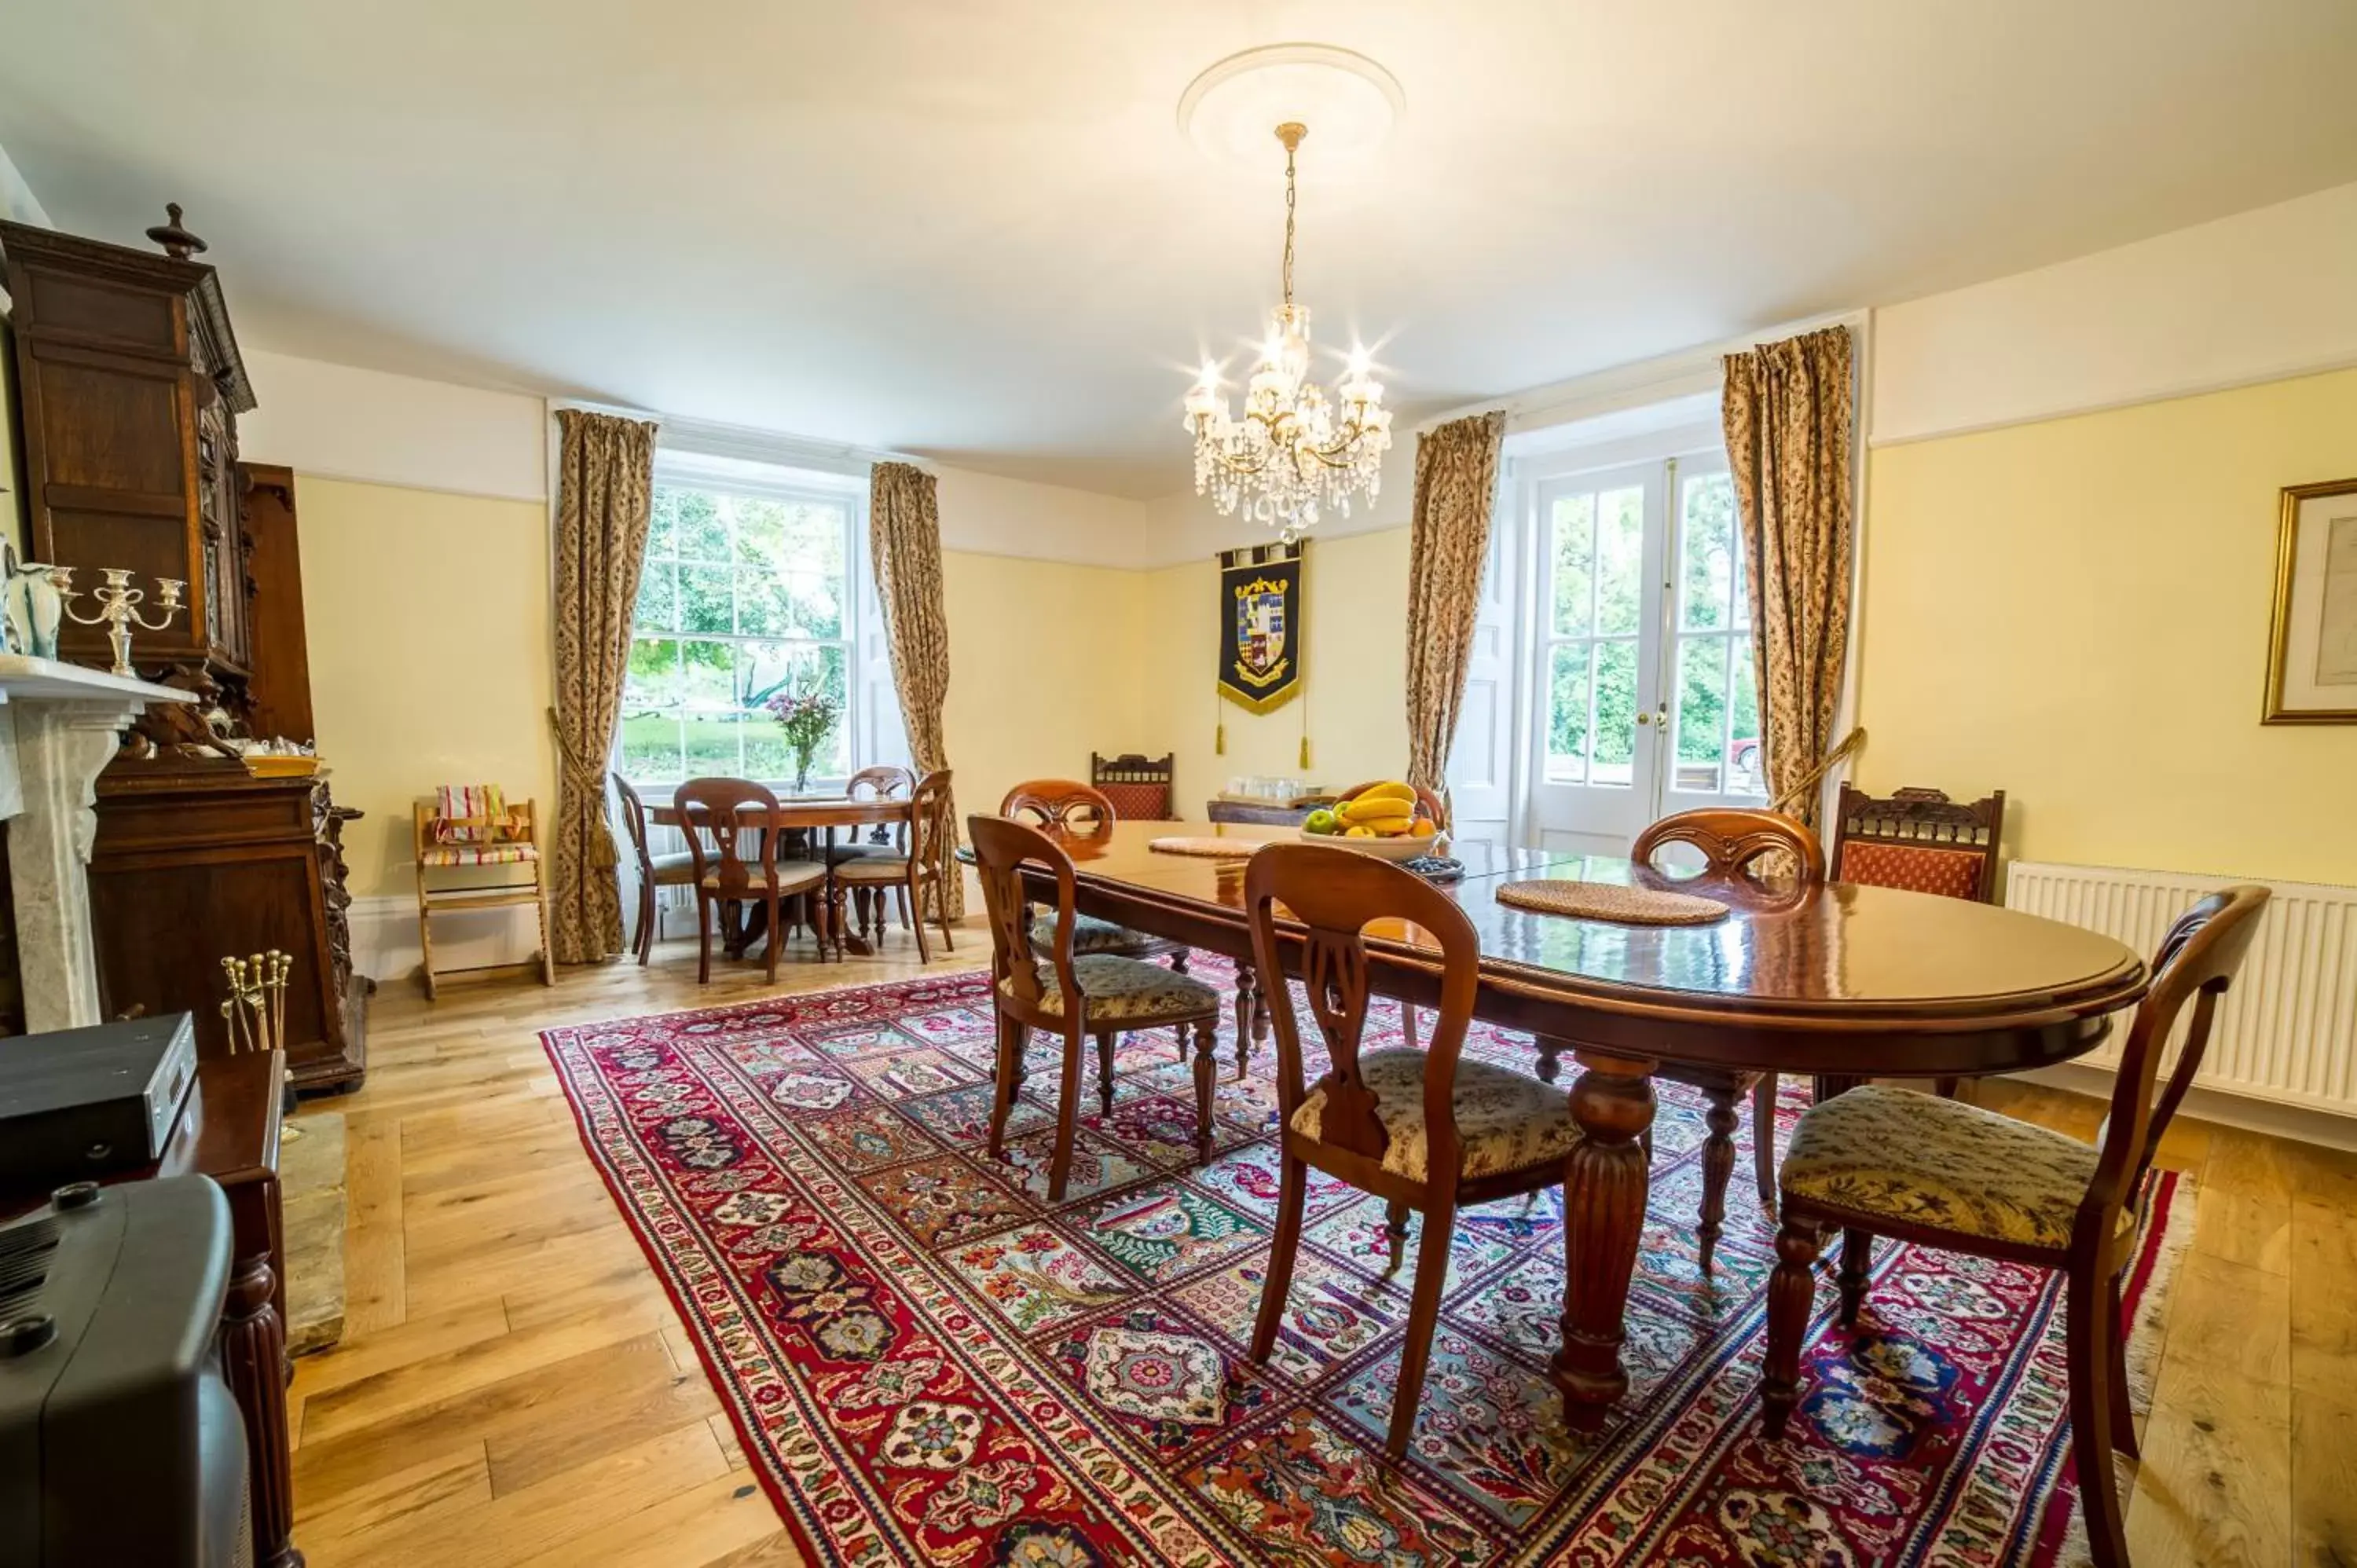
(2312, 659)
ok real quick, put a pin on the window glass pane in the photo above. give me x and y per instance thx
(661, 525)
(1567, 760)
(1701, 713)
(704, 594)
(1745, 774)
(712, 745)
(815, 603)
(658, 606)
(761, 607)
(1616, 713)
(702, 533)
(1574, 555)
(652, 680)
(766, 756)
(1706, 553)
(1742, 616)
(707, 669)
(650, 748)
(1620, 561)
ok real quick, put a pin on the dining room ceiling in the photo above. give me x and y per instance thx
(975, 233)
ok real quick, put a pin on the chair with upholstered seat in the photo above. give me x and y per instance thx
(1069, 806)
(908, 874)
(1075, 996)
(708, 811)
(1428, 1131)
(1137, 786)
(1879, 1161)
(673, 869)
(469, 828)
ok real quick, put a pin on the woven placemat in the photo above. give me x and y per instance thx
(1612, 901)
(1204, 848)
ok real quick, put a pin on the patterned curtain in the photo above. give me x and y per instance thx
(904, 541)
(1787, 411)
(605, 492)
(1456, 487)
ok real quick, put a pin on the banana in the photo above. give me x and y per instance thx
(1390, 790)
(1383, 809)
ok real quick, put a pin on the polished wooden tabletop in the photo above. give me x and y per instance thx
(1832, 956)
(829, 812)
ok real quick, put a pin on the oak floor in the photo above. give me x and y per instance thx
(513, 1387)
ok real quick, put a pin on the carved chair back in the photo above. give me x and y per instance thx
(885, 782)
(1336, 894)
(634, 822)
(1733, 842)
(1138, 785)
(928, 823)
(1433, 805)
(1002, 848)
(708, 817)
(2197, 961)
(1919, 840)
(1060, 803)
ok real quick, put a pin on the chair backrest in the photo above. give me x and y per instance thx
(1002, 847)
(1062, 803)
(707, 819)
(1336, 893)
(1433, 807)
(1733, 842)
(885, 782)
(478, 814)
(634, 819)
(2197, 961)
(1138, 785)
(1919, 840)
(929, 821)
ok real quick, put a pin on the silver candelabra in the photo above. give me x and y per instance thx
(118, 607)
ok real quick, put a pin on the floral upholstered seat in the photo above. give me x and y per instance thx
(1126, 992)
(1505, 1120)
(1914, 868)
(1893, 1154)
(1091, 934)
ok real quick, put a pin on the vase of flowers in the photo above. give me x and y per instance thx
(807, 718)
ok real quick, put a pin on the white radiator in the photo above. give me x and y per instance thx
(2286, 1030)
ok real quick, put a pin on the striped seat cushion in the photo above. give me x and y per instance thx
(476, 854)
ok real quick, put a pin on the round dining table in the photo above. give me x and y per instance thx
(807, 813)
(1836, 981)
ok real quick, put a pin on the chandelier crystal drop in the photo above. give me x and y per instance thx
(1295, 451)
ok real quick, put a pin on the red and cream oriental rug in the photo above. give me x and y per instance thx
(928, 1363)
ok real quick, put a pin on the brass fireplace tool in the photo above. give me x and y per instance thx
(256, 1008)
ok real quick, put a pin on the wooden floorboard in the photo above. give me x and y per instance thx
(513, 1387)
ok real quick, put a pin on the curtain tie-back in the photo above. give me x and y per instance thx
(1808, 783)
(591, 781)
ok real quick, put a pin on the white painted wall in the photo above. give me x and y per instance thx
(338, 422)
(2257, 297)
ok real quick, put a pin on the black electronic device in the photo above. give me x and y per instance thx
(119, 1440)
(78, 1104)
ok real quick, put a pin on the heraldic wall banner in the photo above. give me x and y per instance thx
(1260, 626)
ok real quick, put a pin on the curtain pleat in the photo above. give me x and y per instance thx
(1456, 489)
(605, 493)
(904, 542)
(1788, 415)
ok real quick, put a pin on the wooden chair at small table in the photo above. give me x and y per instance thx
(921, 864)
(1880, 1161)
(712, 818)
(468, 826)
(884, 781)
(675, 869)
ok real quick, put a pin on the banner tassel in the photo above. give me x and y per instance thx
(1219, 741)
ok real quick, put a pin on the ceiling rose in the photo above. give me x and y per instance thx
(1229, 109)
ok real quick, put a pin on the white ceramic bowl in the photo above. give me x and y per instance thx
(1405, 847)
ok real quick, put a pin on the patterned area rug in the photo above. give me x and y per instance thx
(928, 1363)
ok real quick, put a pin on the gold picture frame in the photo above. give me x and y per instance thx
(2313, 642)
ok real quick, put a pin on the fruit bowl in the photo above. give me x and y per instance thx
(1406, 846)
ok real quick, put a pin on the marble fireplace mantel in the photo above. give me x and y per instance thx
(59, 724)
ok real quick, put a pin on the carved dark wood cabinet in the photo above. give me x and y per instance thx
(130, 386)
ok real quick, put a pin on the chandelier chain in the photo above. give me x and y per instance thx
(1288, 221)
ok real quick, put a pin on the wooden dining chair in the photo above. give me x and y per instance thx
(676, 868)
(1733, 842)
(1429, 1131)
(1880, 1161)
(1073, 995)
(1138, 785)
(884, 781)
(920, 864)
(1069, 806)
(708, 816)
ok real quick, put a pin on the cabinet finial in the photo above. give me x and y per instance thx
(178, 242)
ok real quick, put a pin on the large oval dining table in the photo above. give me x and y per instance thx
(1832, 979)
(806, 813)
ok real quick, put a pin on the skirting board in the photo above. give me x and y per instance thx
(384, 935)
(2248, 1113)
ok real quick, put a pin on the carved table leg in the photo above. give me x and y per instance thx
(253, 1353)
(1603, 1221)
(1248, 1012)
(1550, 1059)
(1207, 1073)
(1717, 1165)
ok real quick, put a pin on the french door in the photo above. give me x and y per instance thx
(1645, 695)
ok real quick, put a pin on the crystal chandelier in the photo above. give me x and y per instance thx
(1294, 451)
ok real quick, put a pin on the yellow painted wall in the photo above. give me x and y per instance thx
(428, 620)
(1044, 660)
(1356, 611)
(2076, 611)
